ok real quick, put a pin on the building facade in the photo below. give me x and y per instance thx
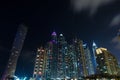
(40, 64)
(62, 61)
(106, 62)
(15, 52)
(89, 66)
(62, 53)
(94, 47)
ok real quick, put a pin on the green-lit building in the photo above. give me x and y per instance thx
(106, 62)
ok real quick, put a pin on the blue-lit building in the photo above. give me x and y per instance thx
(52, 51)
(65, 61)
(40, 64)
(89, 66)
(106, 62)
(62, 53)
(15, 52)
(81, 60)
(94, 47)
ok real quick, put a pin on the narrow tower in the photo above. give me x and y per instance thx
(94, 47)
(15, 52)
(53, 56)
(40, 64)
(62, 52)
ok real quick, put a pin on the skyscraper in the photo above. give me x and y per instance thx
(94, 47)
(82, 59)
(89, 66)
(15, 52)
(62, 52)
(79, 59)
(40, 64)
(59, 60)
(106, 62)
(52, 52)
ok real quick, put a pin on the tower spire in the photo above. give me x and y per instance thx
(94, 47)
(54, 36)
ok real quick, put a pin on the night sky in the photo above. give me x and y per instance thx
(89, 20)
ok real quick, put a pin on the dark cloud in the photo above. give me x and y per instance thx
(115, 21)
(116, 42)
(91, 5)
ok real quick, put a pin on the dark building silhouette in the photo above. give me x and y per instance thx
(15, 52)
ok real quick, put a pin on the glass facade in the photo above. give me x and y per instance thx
(74, 61)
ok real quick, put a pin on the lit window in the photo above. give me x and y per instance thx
(41, 59)
(40, 73)
(102, 58)
(36, 62)
(104, 67)
(40, 69)
(105, 72)
(36, 65)
(40, 65)
(37, 55)
(38, 50)
(37, 59)
(34, 72)
(41, 62)
(75, 79)
(98, 51)
(101, 70)
(42, 50)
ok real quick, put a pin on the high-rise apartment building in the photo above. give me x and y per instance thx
(89, 66)
(40, 64)
(52, 52)
(62, 61)
(106, 62)
(15, 52)
(62, 53)
(81, 59)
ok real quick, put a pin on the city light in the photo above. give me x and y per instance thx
(63, 61)
(75, 78)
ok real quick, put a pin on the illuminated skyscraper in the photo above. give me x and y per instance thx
(40, 64)
(52, 52)
(79, 59)
(62, 52)
(76, 58)
(89, 66)
(15, 52)
(106, 62)
(82, 59)
(94, 47)
(61, 61)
